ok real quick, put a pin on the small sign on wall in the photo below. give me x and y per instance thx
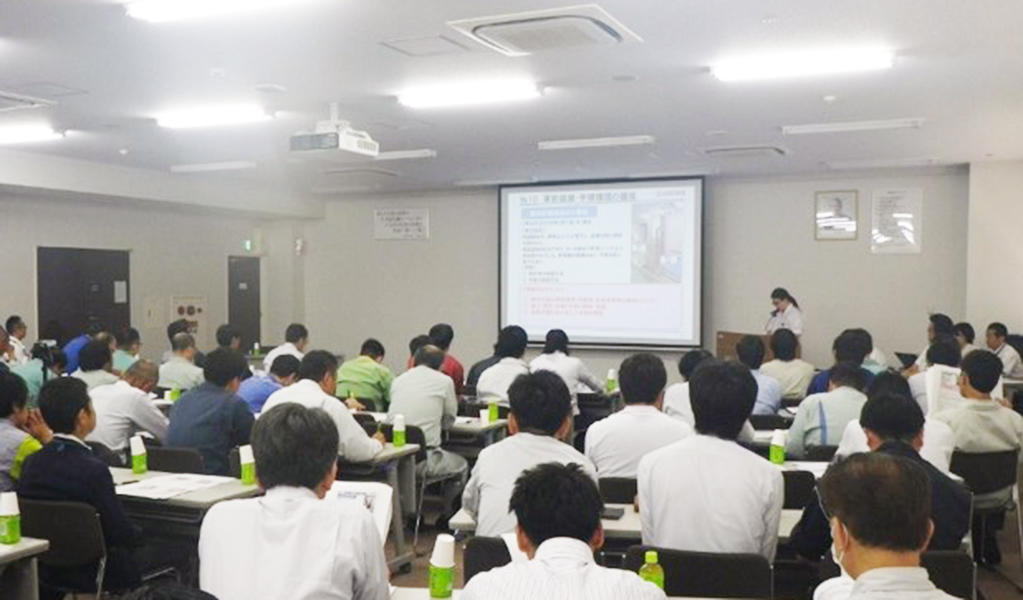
(897, 221)
(401, 224)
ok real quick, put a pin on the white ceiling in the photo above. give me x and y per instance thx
(959, 66)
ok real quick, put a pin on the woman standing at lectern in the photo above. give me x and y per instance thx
(786, 313)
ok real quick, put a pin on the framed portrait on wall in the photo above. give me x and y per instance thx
(836, 215)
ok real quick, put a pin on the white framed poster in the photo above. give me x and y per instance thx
(401, 224)
(835, 215)
(896, 221)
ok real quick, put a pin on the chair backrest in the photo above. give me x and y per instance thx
(72, 528)
(1016, 341)
(769, 422)
(820, 453)
(234, 462)
(113, 459)
(708, 575)
(985, 472)
(618, 490)
(799, 486)
(413, 435)
(483, 554)
(367, 422)
(953, 572)
(175, 460)
(942, 385)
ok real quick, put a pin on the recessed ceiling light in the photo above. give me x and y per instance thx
(603, 142)
(230, 165)
(163, 11)
(468, 93)
(270, 88)
(880, 163)
(407, 154)
(212, 116)
(803, 63)
(829, 99)
(23, 134)
(123, 151)
(849, 126)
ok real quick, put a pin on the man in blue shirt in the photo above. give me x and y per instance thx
(852, 346)
(750, 351)
(212, 418)
(255, 390)
(72, 348)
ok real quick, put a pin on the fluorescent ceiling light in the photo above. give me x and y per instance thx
(23, 134)
(604, 142)
(468, 93)
(494, 182)
(407, 154)
(213, 116)
(231, 165)
(847, 126)
(804, 63)
(164, 11)
(880, 163)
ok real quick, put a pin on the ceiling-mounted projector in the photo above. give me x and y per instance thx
(335, 134)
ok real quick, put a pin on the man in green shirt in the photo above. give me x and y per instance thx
(44, 366)
(365, 378)
(129, 343)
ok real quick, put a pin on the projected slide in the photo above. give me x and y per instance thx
(610, 263)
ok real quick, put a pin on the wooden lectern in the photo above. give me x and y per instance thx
(726, 341)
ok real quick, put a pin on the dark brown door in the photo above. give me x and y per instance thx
(78, 286)
(243, 309)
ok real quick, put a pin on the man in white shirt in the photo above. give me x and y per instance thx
(94, 363)
(291, 543)
(750, 351)
(558, 510)
(821, 418)
(943, 351)
(125, 408)
(794, 374)
(707, 493)
(179, 371)
(555, 358)
(937, 324)
(17, 329)
(1012, 366)
(296, 338)
(617, 443)
(425, 397)
(879, 507)
(318, 380)
(539, 422)
(676, 397)
(964, 336)
(493, 384)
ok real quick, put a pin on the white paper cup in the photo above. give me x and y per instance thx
(399, 422)
(443, 551)
(484, 415)
(9, 507)
(779, 437)
(245, 455)
(137, 445)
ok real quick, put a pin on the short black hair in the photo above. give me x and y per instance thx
(999, 329)
(294, 446)
(784, 344)
(893, 417)
(127, 337)
(750, 351)
(540, 402)
(94, 328)
(316, 365)
(889, 382)
(372, 348)
(417, 342)
(864, 338)
(942, 324)
(722, 395)
(441, 335)
(966, 330)
(13, 322)
(511, 342)
(883, 500)
(983, 369)
(553, 500)
(642, 378)
(847, 374)
(176, 327)
(430, 356)
(94, 356)
(690, 360)
(223, 365)
(850, 346)
(944, 350)
(295, 332)
(226, 334)
(13, 394)
(60, 401)
(556, 341)
(285, 365)
(182, 341)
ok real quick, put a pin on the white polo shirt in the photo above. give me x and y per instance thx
(121, 411)
(493, 384)
(426, 398)
(617, 443)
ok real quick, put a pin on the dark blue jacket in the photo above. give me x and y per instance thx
(72, 350)
(213, 421)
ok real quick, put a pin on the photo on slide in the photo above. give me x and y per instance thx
(657, 252)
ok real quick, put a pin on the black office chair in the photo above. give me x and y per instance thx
(769, 422)
(107, 455)
(618, 490)
(483, 554)
(175, 460)
(76, 543)
(953, 572)
(366, 421)
(985, 473)
(707, 574)
(791, 402)
(799, 486)
(821, 453)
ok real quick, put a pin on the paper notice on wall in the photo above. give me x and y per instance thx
(401, 224)
(120, 292)
(897, 221)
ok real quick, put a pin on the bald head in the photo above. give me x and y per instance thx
(429, 355)
(143, 375)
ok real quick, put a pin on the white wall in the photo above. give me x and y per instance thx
(995, 256)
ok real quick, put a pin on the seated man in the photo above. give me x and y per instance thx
(880, 508)
(230, 338)
(179, 371)
(129, 343)
(540, 419)
(73, 347)
(22, 432)
(94, 364)
(750, 351)
(944, 350)
(366, 377)
(426, 398)
(174, 328)
(937, 324)
(256, 389)
(1012, 366)
(495, 381)
(291, 543)
(17, 329)
(615, 444)
(893, 425)
(851, 347)
(676, 397)
(212, 418)
(66, 470)
(124, 408)
(964, 336)
(794, 374)
(314, 389)
(473, 377)
(738, 505)
(47, 363)
(821, 418)
(441, 335)
(296, 338)
(558, 510)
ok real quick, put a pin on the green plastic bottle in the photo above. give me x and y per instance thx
(612, 381)
(492, 412)
(776, 451)
(652, 571)
(139, 458)
(10, 519)
(399, 431)
(175, 394)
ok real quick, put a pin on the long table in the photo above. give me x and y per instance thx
(424, 594)
(19, 575)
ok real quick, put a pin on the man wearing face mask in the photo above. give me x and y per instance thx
(879, 508)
